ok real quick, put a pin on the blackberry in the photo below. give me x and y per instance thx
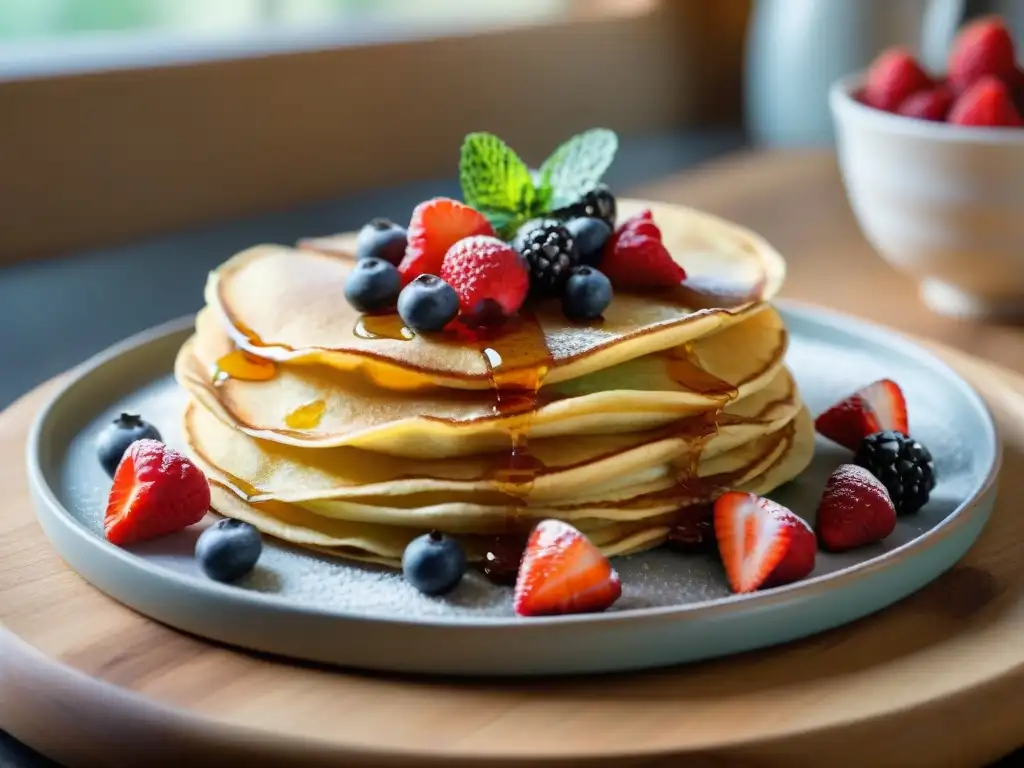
(551, 253)
(519, 240)
(598, 203)
(902, 465)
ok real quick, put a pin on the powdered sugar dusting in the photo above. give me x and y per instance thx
(825, 372)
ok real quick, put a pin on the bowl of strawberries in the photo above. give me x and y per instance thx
(933, 166)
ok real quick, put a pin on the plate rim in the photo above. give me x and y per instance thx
(807, 588)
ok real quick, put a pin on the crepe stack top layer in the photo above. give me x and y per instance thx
(350, 434)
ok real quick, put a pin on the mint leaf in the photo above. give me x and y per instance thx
(577, 166)
(545, 192)
(505, 223)
(494, 180)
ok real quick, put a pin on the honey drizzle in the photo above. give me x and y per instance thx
(684, 368)
(306, 416)
(243, 366)
(388, 326)
(517, 359)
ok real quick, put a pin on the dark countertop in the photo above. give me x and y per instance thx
(58, 312)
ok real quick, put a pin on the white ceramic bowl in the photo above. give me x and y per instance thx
(943, 203)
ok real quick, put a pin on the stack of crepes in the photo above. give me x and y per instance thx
(350, 435)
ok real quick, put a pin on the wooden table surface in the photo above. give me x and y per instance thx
(797, 202)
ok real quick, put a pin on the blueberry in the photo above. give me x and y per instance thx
(434, 563)
(228, 549)
(372, 285)
(115, 438)
(428, 303)
(381, 239)
(591, 235)
(586, 295)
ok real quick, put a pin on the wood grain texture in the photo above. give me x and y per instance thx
(936, 679)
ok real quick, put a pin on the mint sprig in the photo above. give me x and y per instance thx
(577, 166)
(496, 182)
(492, 175)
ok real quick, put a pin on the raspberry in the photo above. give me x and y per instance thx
(435, 227)
(634, 256)
(932, 104)
(983, 48)
(490, 276)
(986, 103)
(893, 77)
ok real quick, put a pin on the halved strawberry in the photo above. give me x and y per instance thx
(563, 572)
(876, 407)
(752, 539)
(798, 561)
(156, 491)
(435, 227)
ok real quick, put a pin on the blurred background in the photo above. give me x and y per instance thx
(142, 141)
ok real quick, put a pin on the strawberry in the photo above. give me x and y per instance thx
(634, 256)
(563, 572)
(893, 77)
(1018, 91)
(156, 491)
(876, 407)
(854, 510)
(983, 48)
(435, 227)
(986, 103)
(798, 561)
(489, 275)
(753, 539)
(931, 104)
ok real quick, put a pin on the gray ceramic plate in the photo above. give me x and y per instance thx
(674, 609)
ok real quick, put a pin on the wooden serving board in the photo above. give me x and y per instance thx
(936, 679)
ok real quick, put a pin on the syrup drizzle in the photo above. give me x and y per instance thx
(683, 367)
(243, 366)
(382, 327)
(306, 416)
(517, 359)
